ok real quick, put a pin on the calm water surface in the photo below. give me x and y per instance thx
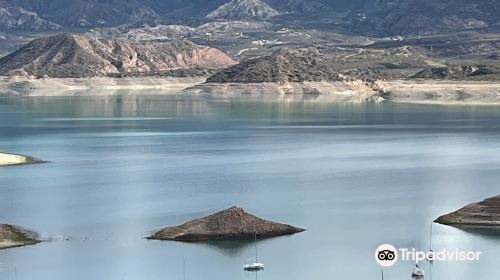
(355, 176)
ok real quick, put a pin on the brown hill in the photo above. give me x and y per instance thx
(283, 65)
(232, 223)
(74, 56)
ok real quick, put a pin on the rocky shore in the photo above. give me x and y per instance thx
(13, 236)
(333, 91)
(441, 92)
(230, 224)
(484, 213)
(14, 86)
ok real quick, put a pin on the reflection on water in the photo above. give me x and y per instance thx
(355, 175)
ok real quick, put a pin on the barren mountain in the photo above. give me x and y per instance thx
(244, 9)
(89, 13)
(302, 65)
(424, 16)
(16, 18)
(363, 16)
(283, 65)
(68, 55)
(298, 6)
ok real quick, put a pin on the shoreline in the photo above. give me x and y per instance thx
(334, 91)
(20, 86)
(442, 92)
(421, 91)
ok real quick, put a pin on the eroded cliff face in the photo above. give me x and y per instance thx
(75, 56)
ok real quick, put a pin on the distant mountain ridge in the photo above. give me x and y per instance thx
(423, 16)
(90, 13)
(244, 9)
(362, 16)
(13, 17)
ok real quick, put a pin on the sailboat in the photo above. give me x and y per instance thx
(417, 272)
(255, 266)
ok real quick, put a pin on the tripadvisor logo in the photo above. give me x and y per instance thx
(387, 255)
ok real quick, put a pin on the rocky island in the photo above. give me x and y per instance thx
(484, 213)
(12, 159)
(13, 236)
(230, 224)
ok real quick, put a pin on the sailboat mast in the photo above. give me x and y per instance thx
(255, 242)
(430, 239)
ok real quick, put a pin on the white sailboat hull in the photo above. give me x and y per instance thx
(253, 266)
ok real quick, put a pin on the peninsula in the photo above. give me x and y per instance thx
(484, 213)
(13, 236)
(12, 159)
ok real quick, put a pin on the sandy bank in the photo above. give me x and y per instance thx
(98, 85)
(12, 159)
(321, 91)
(442, 92)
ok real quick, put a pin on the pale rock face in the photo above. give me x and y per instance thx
(244, 9)
(66, 55)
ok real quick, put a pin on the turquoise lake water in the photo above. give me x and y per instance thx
(355, 175)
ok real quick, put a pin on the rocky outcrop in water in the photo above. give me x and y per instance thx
(232, 223)
(76, 56)
(484, 213)
(13, 236)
